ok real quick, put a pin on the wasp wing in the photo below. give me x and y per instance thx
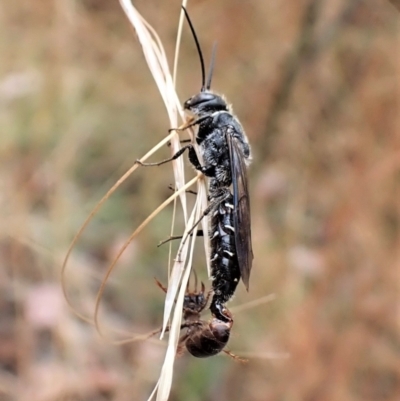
(241, 211)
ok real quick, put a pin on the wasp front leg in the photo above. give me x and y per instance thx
(179, 153)
(191, 122)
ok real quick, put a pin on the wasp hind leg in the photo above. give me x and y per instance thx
(188, 191)
(200, 233)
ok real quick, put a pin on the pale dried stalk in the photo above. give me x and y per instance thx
(180, 273)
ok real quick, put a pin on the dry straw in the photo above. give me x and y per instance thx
(158, 65)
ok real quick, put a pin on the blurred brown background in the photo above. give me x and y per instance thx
(316, 85)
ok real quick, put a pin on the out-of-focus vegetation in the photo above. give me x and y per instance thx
(316, 85)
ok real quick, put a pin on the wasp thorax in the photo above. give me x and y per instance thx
(205, 102)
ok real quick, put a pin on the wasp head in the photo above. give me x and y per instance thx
(204, 103)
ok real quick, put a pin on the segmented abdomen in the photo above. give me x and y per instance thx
(224, 263)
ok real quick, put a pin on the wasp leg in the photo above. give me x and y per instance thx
(206, 212)
(188, 191)
(174, 157)
(191, 123)
(209, 209)
(181, 141)
(192, 158)
(200, 233)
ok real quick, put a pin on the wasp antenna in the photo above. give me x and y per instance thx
(212, 63)
(203, 73)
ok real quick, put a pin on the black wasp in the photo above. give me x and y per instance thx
(226, 152)
(202, 339)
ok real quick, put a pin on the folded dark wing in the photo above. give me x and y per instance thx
(241, 213)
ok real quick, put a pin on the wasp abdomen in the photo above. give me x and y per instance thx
(224, 263)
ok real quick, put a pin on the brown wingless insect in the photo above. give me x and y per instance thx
(202, 339)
